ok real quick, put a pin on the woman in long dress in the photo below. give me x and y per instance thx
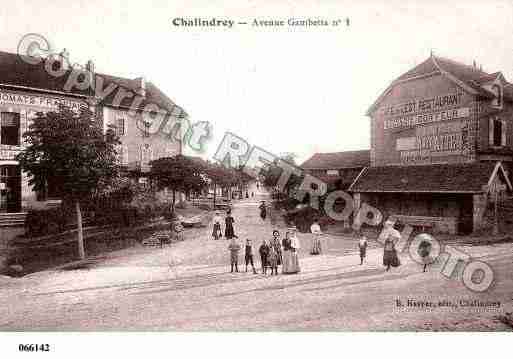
(296, 246)
(391, 237)
(216, 231)
(287, 253)
(228, 230)
(291, 246)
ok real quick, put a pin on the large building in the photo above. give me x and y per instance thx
(441, 146)
(26, 89)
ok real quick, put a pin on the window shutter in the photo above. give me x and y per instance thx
(490, 131)
(125, 155)
(503, 133)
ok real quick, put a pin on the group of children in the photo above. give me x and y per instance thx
(270, 255)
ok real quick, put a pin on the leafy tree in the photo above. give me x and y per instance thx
(218, 176)
(178, 173)
(72, 150)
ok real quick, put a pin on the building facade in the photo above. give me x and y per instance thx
(441, 146)
(127, 105)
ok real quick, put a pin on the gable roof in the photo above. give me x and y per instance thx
(445, 178)
(338, 160)
(18, 74)
(467, 77)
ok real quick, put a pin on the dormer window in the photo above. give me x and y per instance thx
(497, 90)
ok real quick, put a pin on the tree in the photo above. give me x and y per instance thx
(178, 173)
(72, 150)
(218, 176)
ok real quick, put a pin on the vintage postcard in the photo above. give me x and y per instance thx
(270, 166)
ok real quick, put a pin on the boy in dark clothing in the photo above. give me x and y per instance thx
(249, 255)
(264, 253)
(234, 249)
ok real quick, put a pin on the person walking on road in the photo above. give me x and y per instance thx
(362, 247)
(390, 236)
(264, 254)
(263, 210)
(228, 229)
(249, 255)
(234, 248)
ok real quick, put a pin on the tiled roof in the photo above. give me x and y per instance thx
(337, 160)
(467, 75)
(443, 178)
(17, 73)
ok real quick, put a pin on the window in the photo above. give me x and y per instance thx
(497, 90)
(122, 152)
(10, 128)
(497, 132)
(120, 127)
(332, 172)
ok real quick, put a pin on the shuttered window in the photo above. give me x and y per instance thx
(10, 128)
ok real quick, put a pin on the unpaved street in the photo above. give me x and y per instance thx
(187, 286)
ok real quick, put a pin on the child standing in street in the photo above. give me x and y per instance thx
(362, 246)
(249, 255)
(273, 260)
(264, 253)
(234, 249)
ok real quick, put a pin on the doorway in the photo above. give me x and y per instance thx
(10, 189)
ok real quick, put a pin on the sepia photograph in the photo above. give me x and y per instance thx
(277, 167)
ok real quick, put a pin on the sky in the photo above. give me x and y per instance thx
(288, 89)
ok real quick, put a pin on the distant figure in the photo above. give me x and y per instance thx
(264, 254)
(249, 255)
(252, 194)
(315, 228)
(362, 247)
(216, 231)
(391, 237)
(228, 229)
(263, 210)
(272, 214)
(234, 248)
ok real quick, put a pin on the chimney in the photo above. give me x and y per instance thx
(64, 59)
(90, 72)
(141, 86)
(474, 64)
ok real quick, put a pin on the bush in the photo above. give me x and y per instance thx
(48, 221)
(302, 218)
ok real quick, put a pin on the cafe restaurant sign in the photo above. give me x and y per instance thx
(422, 111)
(43, 102)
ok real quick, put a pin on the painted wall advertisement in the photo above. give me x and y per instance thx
(428, 130)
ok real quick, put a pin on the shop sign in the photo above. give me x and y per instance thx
(51, 103)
